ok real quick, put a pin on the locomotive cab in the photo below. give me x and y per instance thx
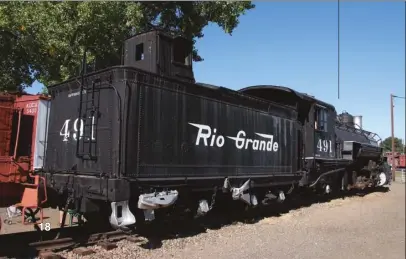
(324, 140)
(319, 130)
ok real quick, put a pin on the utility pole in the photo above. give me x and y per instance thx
(393, 138)
(392, 96)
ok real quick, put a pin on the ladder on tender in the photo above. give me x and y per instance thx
(88, 114)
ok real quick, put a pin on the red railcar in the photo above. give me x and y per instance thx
(23, 127)
(399, 159)
(402, 161)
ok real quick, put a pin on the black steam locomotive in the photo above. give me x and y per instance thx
(130, 139)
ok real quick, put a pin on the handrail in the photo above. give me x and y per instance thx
(18, 135)
(367, 134)
(36, 182)
(45, 190)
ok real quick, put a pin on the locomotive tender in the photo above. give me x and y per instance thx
(130, 139)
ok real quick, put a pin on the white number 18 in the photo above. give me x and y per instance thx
(46, 226)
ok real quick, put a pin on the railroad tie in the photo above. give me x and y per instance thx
(83, 251)
(133, 239)
(107, 245)
(49, 255)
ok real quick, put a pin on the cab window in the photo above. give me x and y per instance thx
(320, 119)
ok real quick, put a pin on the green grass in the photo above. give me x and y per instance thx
(398, 176)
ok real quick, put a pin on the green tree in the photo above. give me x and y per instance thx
(45, 41)
(44, 90)
(386, 144)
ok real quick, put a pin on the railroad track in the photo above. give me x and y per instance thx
(34, 243)
(44, 244)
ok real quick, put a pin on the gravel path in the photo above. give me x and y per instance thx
(372, 226)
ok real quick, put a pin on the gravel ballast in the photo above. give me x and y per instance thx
(372, 226)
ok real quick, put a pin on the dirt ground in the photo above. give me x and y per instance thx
(50, 216)
(366, 227)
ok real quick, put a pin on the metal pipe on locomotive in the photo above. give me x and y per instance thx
(128, 140)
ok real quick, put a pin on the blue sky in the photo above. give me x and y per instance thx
(295, 45)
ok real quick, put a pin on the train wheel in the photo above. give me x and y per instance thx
(98, 219)
(382, 180)
(354, 178)
(344, 182)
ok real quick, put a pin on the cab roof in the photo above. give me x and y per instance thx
(259, 90)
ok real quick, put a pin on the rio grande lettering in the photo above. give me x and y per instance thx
(205, 136)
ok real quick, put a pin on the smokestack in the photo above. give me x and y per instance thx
(358, 122)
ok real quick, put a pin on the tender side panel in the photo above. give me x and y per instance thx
(65, 127)
(186, 135)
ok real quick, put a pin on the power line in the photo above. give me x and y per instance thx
(338, 48)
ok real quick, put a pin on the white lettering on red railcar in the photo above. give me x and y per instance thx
(205, 136)
(31, 108)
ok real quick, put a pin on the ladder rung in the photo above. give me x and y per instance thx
(91, 109)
